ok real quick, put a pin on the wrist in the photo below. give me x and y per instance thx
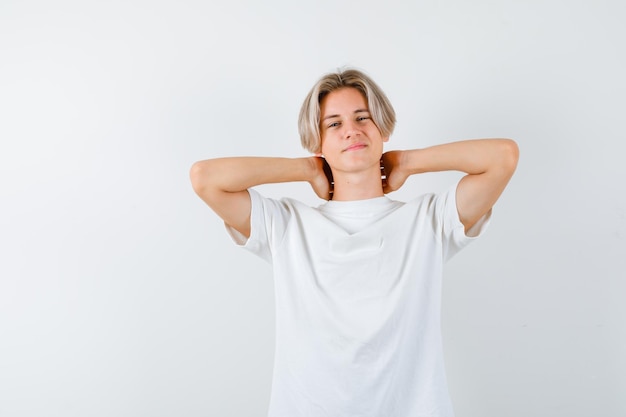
(311, 168)
(411, 162)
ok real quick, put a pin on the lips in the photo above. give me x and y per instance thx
(355, 147)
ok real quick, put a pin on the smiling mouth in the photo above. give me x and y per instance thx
(355, 147)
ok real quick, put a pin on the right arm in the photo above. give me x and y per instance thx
(223, 183)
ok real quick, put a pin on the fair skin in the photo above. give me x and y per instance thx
(353, 146)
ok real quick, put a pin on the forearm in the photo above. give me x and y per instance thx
(240, 173)
(474, 157)
(488, 163)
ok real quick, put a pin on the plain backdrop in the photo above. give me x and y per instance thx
(120, 292)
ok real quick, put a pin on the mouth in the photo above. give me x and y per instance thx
(355, 147)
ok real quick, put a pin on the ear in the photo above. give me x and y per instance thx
(386, 139)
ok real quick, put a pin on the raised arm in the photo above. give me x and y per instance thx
(223, 183)
(489, 163)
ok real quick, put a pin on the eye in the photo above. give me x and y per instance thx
(334, 124)
(362, 118)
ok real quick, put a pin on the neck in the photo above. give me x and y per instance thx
(357, 186)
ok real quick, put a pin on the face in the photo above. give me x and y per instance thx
(351, 141)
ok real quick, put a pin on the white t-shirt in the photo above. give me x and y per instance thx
(358, 300)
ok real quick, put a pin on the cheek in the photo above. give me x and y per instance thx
(326, 146)
(328, 153)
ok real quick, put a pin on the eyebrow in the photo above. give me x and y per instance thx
(330, 116)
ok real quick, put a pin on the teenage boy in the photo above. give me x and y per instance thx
(358, 278)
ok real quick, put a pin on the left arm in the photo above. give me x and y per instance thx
(488, 163)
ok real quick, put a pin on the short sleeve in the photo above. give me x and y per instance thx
(268, 222)
(453, 230)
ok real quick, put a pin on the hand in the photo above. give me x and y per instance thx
(322, 178)
(393, 169)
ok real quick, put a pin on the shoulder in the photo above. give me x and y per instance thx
(436, 209)
(427, 201)
(283, 208)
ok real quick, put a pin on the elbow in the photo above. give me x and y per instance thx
(510, 154)
(198, 175)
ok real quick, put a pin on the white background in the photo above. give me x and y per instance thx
(120, 292)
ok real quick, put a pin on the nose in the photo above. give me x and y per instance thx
(350, 129)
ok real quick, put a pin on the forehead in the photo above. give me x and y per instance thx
(345, 99)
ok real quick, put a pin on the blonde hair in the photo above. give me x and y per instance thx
(379, 106)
